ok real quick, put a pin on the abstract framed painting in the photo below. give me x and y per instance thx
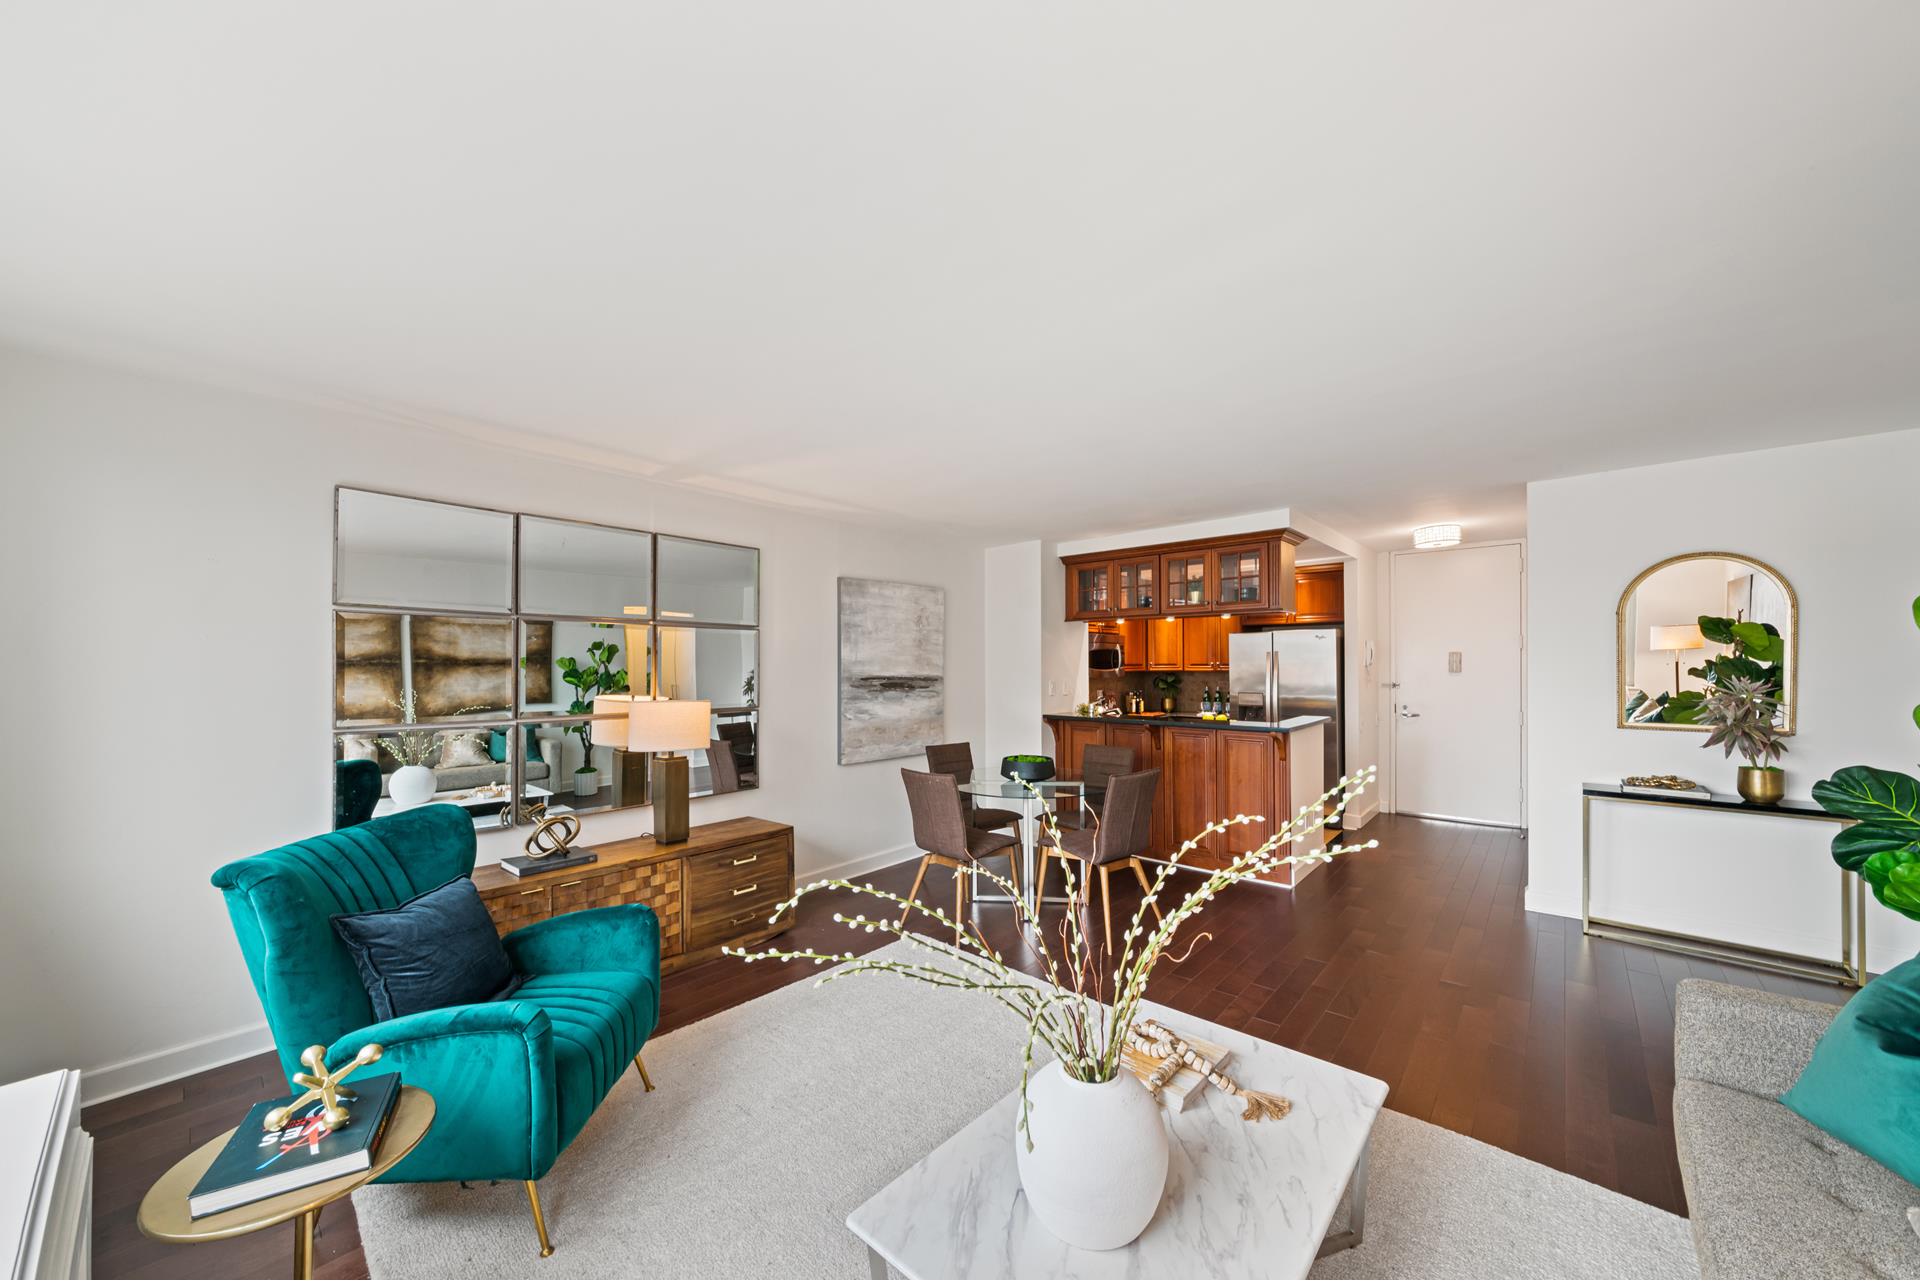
(893, 654)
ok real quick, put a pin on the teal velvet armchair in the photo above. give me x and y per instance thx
(513, 1080)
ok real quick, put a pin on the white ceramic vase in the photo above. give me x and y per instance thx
(1099, 1161)
(586, 782)
(410, 785)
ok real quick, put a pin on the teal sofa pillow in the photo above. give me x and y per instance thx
(497, 746)
(1863, 1085)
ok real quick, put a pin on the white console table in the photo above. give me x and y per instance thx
(1850, 967)
(46, 1178)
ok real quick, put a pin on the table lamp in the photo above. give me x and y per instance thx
(1673, 638)
(660, 726)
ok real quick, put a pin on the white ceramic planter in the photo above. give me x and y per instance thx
(586, 782)
(410, 785)
(1099, 1161)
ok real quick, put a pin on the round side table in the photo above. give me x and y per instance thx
(163, 1213)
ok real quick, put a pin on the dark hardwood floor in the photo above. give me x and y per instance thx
(1415, 963)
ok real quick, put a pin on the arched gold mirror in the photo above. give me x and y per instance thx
(1684, 620)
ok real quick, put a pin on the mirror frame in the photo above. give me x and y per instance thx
(518, 717)
(1790, 691)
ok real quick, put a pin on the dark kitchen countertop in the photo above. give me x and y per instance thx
(1287, 726)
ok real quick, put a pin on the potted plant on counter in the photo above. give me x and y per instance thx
(1743, 715)
(1168, 683)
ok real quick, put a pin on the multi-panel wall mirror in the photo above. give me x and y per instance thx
(469, 644)
(1689, 622)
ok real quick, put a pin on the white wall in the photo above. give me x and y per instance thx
(1014, 676)
(168, 642)
(1836, 518)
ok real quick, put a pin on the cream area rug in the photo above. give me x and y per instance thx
(773, 1120)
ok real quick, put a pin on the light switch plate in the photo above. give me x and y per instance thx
(1453, 660)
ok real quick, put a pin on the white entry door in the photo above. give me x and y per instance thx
(1457, 640)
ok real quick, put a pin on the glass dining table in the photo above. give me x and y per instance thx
(992, 792)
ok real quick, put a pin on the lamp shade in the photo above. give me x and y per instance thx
(653, 724)
(1675, 636)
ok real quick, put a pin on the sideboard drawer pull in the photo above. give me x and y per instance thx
(746, 889)
(565, 885)
(741, 920)
(524, 893)
(751, 858)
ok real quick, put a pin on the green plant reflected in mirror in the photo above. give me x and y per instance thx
(1690, 624)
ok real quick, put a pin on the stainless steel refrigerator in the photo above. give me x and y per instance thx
(1291, 671)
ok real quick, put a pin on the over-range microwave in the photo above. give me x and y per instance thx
(1104, 652)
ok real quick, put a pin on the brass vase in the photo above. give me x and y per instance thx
(1761, 785)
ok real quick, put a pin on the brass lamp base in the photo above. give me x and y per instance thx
(672, 777)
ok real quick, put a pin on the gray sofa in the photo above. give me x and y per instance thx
(1768, 1194)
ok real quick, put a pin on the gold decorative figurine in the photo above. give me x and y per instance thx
(323, 1083)
(554, 837)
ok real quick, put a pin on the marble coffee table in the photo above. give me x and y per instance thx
(1243, 1199)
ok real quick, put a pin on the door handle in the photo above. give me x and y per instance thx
(1412, 716)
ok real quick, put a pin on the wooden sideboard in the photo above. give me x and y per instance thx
(715, 889)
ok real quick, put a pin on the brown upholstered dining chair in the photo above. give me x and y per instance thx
(1121, 837)
(1099, 765)
(941, 831)
(723, 768)
(956, 761)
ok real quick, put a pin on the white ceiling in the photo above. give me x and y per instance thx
(1024, 269)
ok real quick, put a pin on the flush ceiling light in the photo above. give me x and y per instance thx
(1428, 537)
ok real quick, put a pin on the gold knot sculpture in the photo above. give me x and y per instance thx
(554, 837)
(323, 1083)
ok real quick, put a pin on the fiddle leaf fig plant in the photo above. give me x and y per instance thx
(1755, 652)
(595, 676)
(1883, 845)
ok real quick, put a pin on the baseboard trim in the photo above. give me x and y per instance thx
(145, 1071)
(1552, 905)
(860, 865)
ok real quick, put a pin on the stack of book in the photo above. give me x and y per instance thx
(258, 1163)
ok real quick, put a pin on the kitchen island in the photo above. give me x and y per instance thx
(1210, 770)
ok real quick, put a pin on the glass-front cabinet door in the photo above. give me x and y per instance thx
(1090, 588)
(1137, 585)
(1187, 581)
(1241, 578)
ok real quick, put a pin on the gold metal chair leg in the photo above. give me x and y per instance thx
(645, 1080)
(303, 1247)
(539, 1219)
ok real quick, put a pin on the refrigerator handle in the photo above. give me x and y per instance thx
(1273, 684)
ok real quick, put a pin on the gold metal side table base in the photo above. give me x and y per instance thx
(163, 1212)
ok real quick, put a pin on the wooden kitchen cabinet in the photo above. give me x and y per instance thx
(1188, 576)
(1136, 585)
(1090, 591)
(1204, 642)
(1250, 573)
(1166, 644)
(1320, 593)
(1071, 739)
(1241, 577)
(1205, 774)
(1190, 762)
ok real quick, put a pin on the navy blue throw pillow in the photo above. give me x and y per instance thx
(434, 950)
